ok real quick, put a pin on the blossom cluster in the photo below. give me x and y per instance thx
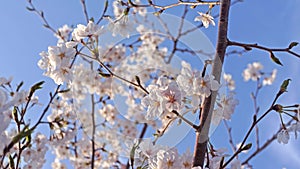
(86, 123)
(254, 72)
(166, 95)
(185, 93)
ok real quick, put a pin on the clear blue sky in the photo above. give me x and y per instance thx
(270, 23)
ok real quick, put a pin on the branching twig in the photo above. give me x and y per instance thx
(41, 15)
(180, 2)
(254, 123)
(249, 46)
(266, 144)
(112, 74)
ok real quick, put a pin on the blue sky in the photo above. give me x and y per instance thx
(270, 23)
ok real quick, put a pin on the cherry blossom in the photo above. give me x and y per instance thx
(227, 105)
(185, 160)
(57, 164)
(148, 149)
(295, 127)
(154, 103)
(229, 81)
(140, 10)
(56, 62)
(4, 80)
(172, 97)
(3, 97)
(269, 80)
(91, 30)
(165, 159)
(204, 85)
(186, 78)
(89, 132)
(283, 136)
(109, 113)
(253, 71)
(236, 164)
(121, 26)
(63, 33)
(206, 19)
(117, 8)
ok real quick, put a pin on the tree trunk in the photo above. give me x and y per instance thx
(205, 119)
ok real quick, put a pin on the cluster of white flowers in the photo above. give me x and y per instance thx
(92, 30)
(226, 106)
(7, 101)
(57, 62)
(254, 72)
(63, 34)
(165, 94)
(230, 83)
(34, 157)
(163, 157)
(121, 26)
(168, 95)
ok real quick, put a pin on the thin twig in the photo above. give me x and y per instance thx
(265, 145)
(229, 135)
(185, 120)
(254, 123)
(103, 13)
(41, 15)
(85, 11)
(174, 4)
(249, 46)
(113, 74)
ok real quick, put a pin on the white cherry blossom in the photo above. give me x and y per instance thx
(253, 71)
(227, 105)
(63, 33)
(121, 26)
(165, 159)
(206, 19)
(283, 136)
(148, 148)
(154, 103)
(186, 78)
(186, 160)
(91, 30)
(172, 97)
(4, 80)
(236, 164)
(204, 85)
(229, 81)
(269, 80)
(57, 62)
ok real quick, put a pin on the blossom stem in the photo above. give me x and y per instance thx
(185, 120)
(113, 74)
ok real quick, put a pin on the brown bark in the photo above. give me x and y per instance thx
(205, 119)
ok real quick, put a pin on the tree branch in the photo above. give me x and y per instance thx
(202, 133)
(249, 46)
